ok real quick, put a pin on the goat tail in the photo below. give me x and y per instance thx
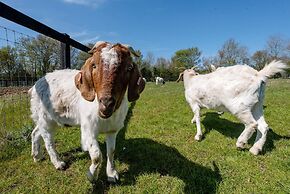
(272, 68)
(30, 91)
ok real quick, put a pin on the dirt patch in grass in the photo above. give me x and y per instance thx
(14, 90)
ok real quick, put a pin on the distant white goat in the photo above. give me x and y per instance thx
(212, 68)
(159, 80)
(93, 98)
(238, 89)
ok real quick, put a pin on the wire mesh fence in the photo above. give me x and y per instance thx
(14, 106)
(15, 81)
(23, 60)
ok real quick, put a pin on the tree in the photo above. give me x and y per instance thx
(147, 73)
(139, 59)
(288, 50)
(150, 59)
(186, 58)
(260, 58)
(9, 64)
(275, 47)
(207, 62)
(232, 53)
(42, 54)
(80, 57)
(162, 68)
(144, 65)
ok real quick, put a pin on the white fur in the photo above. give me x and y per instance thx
(238, 89)
(56, 101)
(109, 55)
(159, 80)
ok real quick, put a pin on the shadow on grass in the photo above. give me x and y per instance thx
(145, 156)
(73, 155)
(271, 137)
(212, 121)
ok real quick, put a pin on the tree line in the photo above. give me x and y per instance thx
(36, 56)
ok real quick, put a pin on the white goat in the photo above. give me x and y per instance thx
(212, 68)
(159, 80)
(238, 89)
(93, 98)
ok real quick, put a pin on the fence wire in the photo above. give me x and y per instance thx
(23, 60)
(14, 100)
(15, 81)
(14, 111)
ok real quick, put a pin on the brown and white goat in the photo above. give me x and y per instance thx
(93, 98)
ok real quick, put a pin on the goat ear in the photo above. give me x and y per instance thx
(136, 84)
(84, 82)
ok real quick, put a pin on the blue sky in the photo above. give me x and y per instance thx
(162, 26)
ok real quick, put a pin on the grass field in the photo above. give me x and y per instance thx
(156, 152)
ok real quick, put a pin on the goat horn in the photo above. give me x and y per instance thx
(179, 78)
(180, 69)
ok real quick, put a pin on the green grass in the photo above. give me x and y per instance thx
(156, 152)
(14, 112)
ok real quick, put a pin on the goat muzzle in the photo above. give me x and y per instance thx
(106, 107)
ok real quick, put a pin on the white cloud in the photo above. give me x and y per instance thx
(113, 34)
(78, 34)
(91, 40)
(93, 3)
(85, 36)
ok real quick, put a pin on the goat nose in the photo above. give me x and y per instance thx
(108, 102)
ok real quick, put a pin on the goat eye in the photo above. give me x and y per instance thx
(94, 66)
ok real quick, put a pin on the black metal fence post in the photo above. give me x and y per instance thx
(65, 53)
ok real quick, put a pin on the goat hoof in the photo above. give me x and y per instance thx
(37, 158)
(255, 151)
(240, 145)
(91, 178)
(60, 166)
(198, 137)
(113, 178)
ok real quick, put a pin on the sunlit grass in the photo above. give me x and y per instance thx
(14, 112)
(156, 152)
